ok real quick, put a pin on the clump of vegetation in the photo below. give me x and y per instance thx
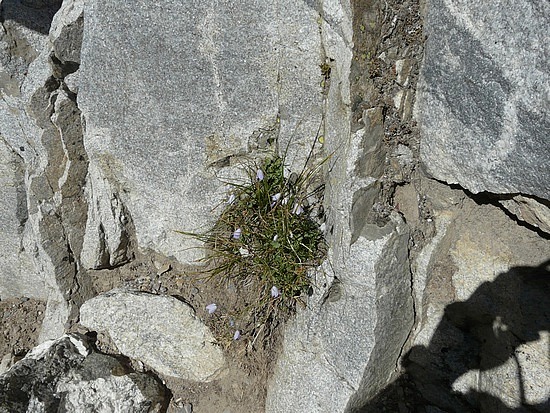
(266, 237)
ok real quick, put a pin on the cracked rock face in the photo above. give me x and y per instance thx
(66, 375)
(45, 158)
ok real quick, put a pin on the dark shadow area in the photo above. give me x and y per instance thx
(480, 333)
(36, 15)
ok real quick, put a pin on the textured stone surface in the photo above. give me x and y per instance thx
(201, 85)
(344, 346)
(160, 331)
(41, 128)
(66, 375)
(529, 210)
(350, 336)
(483, 291)
(483, 95)
(16, 276)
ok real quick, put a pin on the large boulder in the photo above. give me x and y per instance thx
(174, 93)
(67, 375)
(341, 349)
(482, 98)
(160, 331)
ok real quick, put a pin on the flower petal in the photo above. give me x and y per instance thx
(260, 175)
(237, 234)
(237, 335)
(297, 209)
(276, 197)
(275, 292)
(231, 199)
(211, 308)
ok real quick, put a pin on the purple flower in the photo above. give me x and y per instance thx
(260, 175)
(275, 292)
(275, 198)
(297, 209)
(237, 233)
(211, 308)
(237, 335)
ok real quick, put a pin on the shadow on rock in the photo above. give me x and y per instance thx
(479, 334)
(36, 15)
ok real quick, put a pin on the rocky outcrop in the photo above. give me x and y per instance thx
(482, 96)
(161, 332)
(484, 294)
(120, 124)
(350, 336)
(67, 375)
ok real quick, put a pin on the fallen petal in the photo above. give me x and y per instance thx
(231, 199)
(276, 237)
(260, 175)
(244, 252)
(237, 335)
(276, 197)
(275, 292)
(211, 308)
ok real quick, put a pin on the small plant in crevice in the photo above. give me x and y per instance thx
(266, 238)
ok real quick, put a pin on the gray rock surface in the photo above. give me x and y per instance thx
(201, 85)
(350, 336)
(160, 331)
(344, 346)
(483, 291)
(17, 276)
(41, 128)
(532, 211)
(67, 375)
(482, 102)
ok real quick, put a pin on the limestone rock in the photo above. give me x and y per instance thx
(160, 331)
(483, 96)
(203, 84)
(67, 375)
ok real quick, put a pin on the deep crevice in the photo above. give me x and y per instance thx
(489, 198)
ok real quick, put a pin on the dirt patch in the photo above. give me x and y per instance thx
(250, 358)
(20, 324)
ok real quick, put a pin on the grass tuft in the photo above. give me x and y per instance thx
(266, 237)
